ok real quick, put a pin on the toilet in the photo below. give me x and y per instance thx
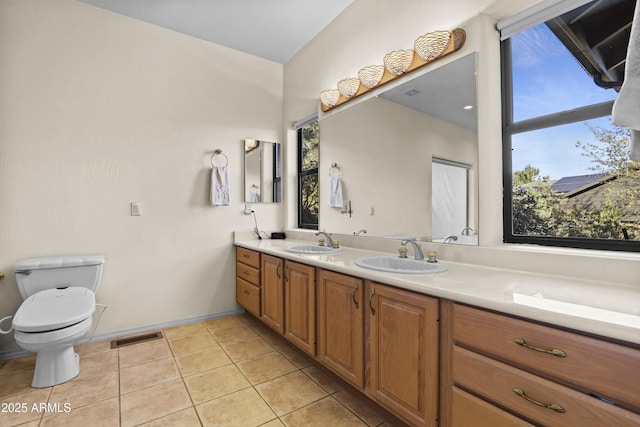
(57, 312)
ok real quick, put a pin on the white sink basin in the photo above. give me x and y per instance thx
(400, 265)
(311, 249)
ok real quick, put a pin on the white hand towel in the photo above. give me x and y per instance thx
(336, 192)
(219, 186)
(626, 109)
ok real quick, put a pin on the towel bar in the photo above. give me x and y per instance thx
(218, 152)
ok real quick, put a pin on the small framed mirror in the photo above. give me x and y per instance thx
(262, 171)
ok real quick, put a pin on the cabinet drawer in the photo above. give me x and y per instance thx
(604, 368)
(248, 296)
(248, 257)
(470, 411)
(497, 381)
(250, 274)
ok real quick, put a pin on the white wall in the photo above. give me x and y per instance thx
(99, 110)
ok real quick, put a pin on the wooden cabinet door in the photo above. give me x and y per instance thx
(403, 339)
(341, 325)
(272, 292)
(300, 305)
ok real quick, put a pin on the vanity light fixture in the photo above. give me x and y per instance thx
(427, 48)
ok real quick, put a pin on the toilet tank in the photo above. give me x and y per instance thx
(38, 274)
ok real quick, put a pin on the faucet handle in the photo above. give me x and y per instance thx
(402, 251)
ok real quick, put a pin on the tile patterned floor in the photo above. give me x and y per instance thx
(223, 372)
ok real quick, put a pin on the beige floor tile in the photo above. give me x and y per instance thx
(201, 361)
(325, 412)
(192, 343)
(101, 414)
(19, 408)
(295, 356)
(246, 348)
(98, 363)
(322, 379)
(242, 408)
(83, 391)
(143, 352)
(93, 347)
(223, 322)
(25, 363)
(215, 383)
(153, 403)
(232, 333)
(148, 374)
(185, 330)
(184, 418)
(16, 383)
(358, 407)
(266, 367)
(290, 392)
(273, 423)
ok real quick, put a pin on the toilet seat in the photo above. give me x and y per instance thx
(54, 309)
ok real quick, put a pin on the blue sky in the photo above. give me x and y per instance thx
(548, 79)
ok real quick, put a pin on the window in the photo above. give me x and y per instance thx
(308, 160)
(567, 177)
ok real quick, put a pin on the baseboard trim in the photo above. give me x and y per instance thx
(12, 354)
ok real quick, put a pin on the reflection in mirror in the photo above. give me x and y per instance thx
(262, 171)
(450, 202)
(385, 146)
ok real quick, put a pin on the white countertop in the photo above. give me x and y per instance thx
(602, 308)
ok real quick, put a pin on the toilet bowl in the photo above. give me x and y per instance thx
(57, 312)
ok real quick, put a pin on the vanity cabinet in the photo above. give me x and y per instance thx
(289, 300)
(300, 306)
(403, 352)
(248, 280)
(341, 325)
(272, 303)
(538, 373)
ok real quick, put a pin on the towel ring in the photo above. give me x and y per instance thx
(334, 170)
(218, 152)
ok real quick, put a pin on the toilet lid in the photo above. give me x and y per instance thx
(54, 309)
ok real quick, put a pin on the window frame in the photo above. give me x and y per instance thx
(305, 173)
(509, 128)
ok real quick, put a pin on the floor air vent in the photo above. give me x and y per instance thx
(122, 342)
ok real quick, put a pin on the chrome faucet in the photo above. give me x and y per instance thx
(465, 231)
(417, 250)
(357, 233)
(450, 239)
(329, 239)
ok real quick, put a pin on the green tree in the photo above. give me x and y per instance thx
(540, 211)
(309, 200)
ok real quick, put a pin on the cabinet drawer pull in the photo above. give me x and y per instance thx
(246, 256)
(553, 351)
(373, 310)
(353, 295)
(520, 392)
(246, 292)
(245, 272)
(278, 271)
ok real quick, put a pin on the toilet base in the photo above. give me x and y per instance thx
(55, 366)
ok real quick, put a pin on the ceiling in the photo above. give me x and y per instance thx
(442, 93)
(271, 29)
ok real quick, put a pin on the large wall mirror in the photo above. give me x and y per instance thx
(262, 171)
(386, 147)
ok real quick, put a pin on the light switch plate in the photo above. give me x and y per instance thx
(136, 209)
